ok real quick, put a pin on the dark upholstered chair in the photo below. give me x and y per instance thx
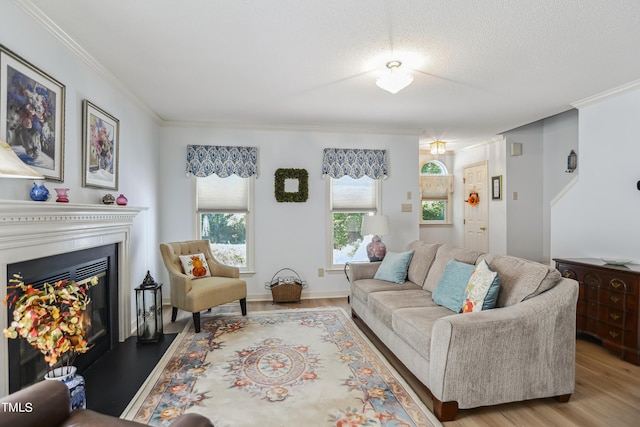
(47, 404)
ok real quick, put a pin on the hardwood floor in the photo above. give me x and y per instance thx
(607, 388)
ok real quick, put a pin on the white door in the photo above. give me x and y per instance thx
(476, 235)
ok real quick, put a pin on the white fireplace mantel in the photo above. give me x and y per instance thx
(30, 230)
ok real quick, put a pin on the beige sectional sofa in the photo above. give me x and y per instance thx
(524, 348)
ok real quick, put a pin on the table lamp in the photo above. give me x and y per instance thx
(376, 225)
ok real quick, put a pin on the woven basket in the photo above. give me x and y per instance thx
(286, 288)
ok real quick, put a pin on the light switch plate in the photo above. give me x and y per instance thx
(406, 207)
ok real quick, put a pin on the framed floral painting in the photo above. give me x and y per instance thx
(100, 144)
(32, 115)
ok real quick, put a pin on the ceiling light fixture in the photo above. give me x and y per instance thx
(395, 79)
(438, 147)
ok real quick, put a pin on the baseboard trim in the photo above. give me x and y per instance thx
(268, 297)
(305, 295)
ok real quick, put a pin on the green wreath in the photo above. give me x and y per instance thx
(303, 185)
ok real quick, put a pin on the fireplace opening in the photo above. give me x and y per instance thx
(26, 364)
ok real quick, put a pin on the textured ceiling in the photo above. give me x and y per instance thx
(479, 67)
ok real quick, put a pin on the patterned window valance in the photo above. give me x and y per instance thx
(205, 160)
(356, 163)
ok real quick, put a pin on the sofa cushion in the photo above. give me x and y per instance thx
(521, 279)
(423, 256)
(450, 291)
(195, 265)
(361, 289)
(383, 304)
(443, 255)
(414, 326)
(482, 289)
(394, 267)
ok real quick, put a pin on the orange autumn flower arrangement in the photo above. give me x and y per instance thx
(473, 199)
(50, 318)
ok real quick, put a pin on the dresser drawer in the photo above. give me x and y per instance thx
(611, 316)
(614, 299)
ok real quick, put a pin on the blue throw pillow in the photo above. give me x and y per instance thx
(451, 288)
(394, 267)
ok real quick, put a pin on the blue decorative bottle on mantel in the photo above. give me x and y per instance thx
(39, 192)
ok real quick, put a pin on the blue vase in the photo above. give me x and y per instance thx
(73, 381)
(39, 192)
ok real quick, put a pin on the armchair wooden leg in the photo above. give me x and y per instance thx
(243, 306)
(196, 321)
(174, 314)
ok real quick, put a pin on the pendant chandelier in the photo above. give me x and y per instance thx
(438, 147)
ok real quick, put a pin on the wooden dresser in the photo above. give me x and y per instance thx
(607, 304)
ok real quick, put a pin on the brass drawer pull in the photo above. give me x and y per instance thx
(615, 284)
(613, 334)
(615, 298)
(614, 316)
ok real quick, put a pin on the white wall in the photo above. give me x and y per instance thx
(560, 136)
(138, 134)
(538, 177)
(289, 234)
(523, 192)
(598, 216)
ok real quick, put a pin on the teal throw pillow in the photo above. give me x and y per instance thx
(450, 291)
(394, 266)
(482, 289)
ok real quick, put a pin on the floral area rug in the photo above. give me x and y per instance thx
(310, 367)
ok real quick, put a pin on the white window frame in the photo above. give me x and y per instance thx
(448, 220)
(329, 218)
(249, 222)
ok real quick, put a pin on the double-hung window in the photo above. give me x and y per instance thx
(349, 200)
(436, 189)
(224, 217)
(224, 191)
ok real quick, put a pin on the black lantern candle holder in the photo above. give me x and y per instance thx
(149, 310)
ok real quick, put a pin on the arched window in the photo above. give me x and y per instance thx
(433, 167)
(436, 186)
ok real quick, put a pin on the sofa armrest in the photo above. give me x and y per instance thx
(192, 420)
(520, 352)
(362, 270)
(85, 417)
(45, 403)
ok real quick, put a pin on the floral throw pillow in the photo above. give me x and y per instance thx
(195, 266)
(482, 289)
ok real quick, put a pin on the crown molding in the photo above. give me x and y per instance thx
(293, 128)
(584, 102)
(45, 22)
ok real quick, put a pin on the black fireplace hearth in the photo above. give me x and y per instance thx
(26, 364)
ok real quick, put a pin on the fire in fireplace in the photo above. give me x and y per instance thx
(26, 364)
